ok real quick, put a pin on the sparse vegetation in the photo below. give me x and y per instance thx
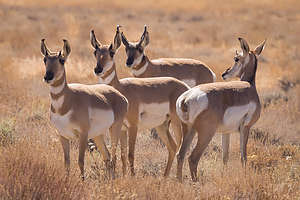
(31, 158)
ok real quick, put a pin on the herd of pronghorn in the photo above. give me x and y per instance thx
(174, 94)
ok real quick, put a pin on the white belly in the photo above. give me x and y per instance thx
(63, 125)
(100, 121)
(152, 115)
(236, 115)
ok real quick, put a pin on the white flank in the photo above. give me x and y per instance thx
(62, 124)
(234, 116)
(190, 82)
(100, 121)
(152, 115)
(58, 102)
(108, 79)
(196, 101)
(141, 70)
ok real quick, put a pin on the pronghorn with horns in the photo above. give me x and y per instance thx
(84, 111)
(152, 101)
(223, 106)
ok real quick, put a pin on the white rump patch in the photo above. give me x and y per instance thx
(100, 121)
(190, 82)
(141, 70)
(63, 125)
(235, 115)
(196, 101)
(108, 79)
(152, 115)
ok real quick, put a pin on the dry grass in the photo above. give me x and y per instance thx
(31, 160)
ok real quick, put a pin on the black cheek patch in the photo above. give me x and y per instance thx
(111, 53)
(62, 61)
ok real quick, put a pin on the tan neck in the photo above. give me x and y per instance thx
(110, 77)
(58, 92)
(142, 68)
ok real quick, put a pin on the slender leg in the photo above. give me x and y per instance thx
(189, 134)
(205, 134)
(165, 136)
(124, 151)
(99, 140)
(132, 133)
(115, 137)
(225, 147)
(244, 134)
(82, 146)
(66, 148)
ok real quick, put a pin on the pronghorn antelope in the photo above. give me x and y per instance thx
(83, 111)
(224, 106)
(192, 72)
(152, 101)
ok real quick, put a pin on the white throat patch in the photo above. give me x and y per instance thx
(58, 89)
(140, 71)
(108, 79)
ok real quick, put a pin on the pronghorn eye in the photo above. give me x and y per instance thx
(140, 49)
(62, 61)
(45, 60)
(236, 59)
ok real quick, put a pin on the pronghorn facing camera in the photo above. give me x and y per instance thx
(192, 72)
(223, 106)
(84, 111)
(152, 101)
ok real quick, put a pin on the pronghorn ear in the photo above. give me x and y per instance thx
(124, 40)
(145, 38)
(66, 49)
(260, 48)
(44, 50)
(244, 46)
(94, 40)
(117, 39)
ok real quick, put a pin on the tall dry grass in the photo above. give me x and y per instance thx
(31, 159)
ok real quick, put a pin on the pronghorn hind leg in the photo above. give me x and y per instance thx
(206, 131)
(123, 139)
(132, 133)
(188, 135)
(244, 134)
(225, 147)
(66, 148)
(165, 136)
(83, 139)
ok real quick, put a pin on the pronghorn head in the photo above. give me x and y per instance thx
(105, 53)
(244, 62)
(135, 50)
(54, 62)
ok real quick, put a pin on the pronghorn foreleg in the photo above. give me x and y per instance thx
(99, 140)
(244, 134)
(165, 136)
(132, 133)
(188, 135)
(225, 147)
(123, 140)
(115, 133)
(83, 139)
(206, 131)
(66, 148)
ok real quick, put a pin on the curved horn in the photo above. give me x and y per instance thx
(124, 40)
(117, 39)
(144, 41)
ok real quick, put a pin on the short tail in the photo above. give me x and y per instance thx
(182, 109)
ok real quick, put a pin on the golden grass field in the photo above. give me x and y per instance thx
(31, 158)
